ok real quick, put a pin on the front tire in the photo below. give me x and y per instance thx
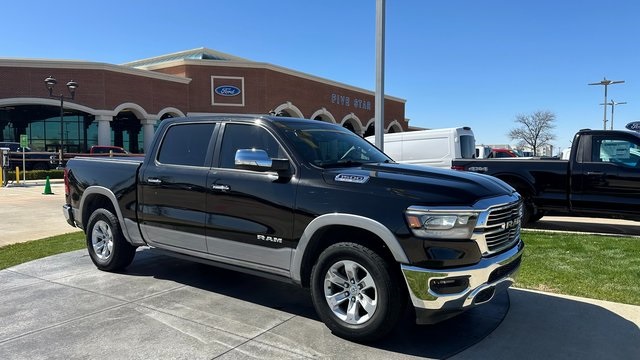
(356, 292)
(108, 248)
(529, 212)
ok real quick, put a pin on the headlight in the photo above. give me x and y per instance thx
(441, 224)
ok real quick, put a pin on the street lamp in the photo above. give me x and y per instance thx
(606, 83)
(71, 86)
(613, 106)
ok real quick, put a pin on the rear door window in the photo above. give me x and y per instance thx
(186, 144)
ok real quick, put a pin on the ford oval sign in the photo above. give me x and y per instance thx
(635, 126)
(227, 90)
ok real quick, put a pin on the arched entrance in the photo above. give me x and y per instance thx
(352, 123)
(371, 128)
(126, 132)
(43, 127)
(287, 109)
(394, 127)
(323, 115)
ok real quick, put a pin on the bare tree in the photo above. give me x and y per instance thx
(534, 129)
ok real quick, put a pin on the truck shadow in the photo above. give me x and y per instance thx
(520, 324)
(432, 341)
(541, 326)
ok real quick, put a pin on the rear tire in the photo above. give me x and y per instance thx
(356, 293)
(108, 248)
(535, 217)
(529, 212)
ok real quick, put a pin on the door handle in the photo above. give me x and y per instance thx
(223, 188)
(154, 181)
(595, 173)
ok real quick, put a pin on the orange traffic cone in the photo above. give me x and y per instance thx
(47, 188)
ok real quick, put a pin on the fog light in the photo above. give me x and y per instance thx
(449, 285)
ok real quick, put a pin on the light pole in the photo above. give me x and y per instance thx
(613, 106)
(606, 83)
(71, 86)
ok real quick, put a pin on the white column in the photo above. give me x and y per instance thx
(104, 129)
(148, 132)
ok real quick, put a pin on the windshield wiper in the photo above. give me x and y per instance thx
(341, 163)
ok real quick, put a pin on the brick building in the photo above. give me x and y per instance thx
(123, 104)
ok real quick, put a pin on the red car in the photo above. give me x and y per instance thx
(502, 153)
(103, 149)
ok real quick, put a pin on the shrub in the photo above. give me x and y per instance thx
(38, 174)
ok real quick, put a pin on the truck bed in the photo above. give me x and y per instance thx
(117, 174)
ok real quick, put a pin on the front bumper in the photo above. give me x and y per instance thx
(441, 294)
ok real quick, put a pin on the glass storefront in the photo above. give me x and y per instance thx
(42, 125)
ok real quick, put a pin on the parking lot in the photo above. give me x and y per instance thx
(162, 307)
(27, 214)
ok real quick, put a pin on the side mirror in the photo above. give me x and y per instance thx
(259, 160)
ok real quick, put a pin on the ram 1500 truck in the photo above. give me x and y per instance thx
(601, 177)
(310, 203)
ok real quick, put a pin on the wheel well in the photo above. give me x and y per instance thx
(94, 202)
(518, 184)
(329, 235)
(527, 192)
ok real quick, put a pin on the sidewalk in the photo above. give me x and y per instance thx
(26, 214)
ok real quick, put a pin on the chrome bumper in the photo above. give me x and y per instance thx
(69, 214)
(476, 284)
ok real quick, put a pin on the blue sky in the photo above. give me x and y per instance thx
(457, 63)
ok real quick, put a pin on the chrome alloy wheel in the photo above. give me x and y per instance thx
(351, 292)
(102, 240)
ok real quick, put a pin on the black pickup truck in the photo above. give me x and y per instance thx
(601, 177)
(309, 203)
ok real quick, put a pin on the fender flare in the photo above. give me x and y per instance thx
(351, 220)
(135, 238)
(528, 181)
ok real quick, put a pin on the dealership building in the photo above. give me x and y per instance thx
(122, 105)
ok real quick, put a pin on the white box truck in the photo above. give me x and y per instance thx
(435, 147)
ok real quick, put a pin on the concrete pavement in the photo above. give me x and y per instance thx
(62, 307)
(26, 214)
(161, 307)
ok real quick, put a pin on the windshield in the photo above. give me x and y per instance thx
(327, 145)
(467, 146)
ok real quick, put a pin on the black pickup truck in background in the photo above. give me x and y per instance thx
(310, 203)
(600, 179)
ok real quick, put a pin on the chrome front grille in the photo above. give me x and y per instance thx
(502, 227)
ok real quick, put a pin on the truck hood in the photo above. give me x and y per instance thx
(423, 185)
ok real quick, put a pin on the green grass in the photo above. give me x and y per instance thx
(15, 254)
(591, 266)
